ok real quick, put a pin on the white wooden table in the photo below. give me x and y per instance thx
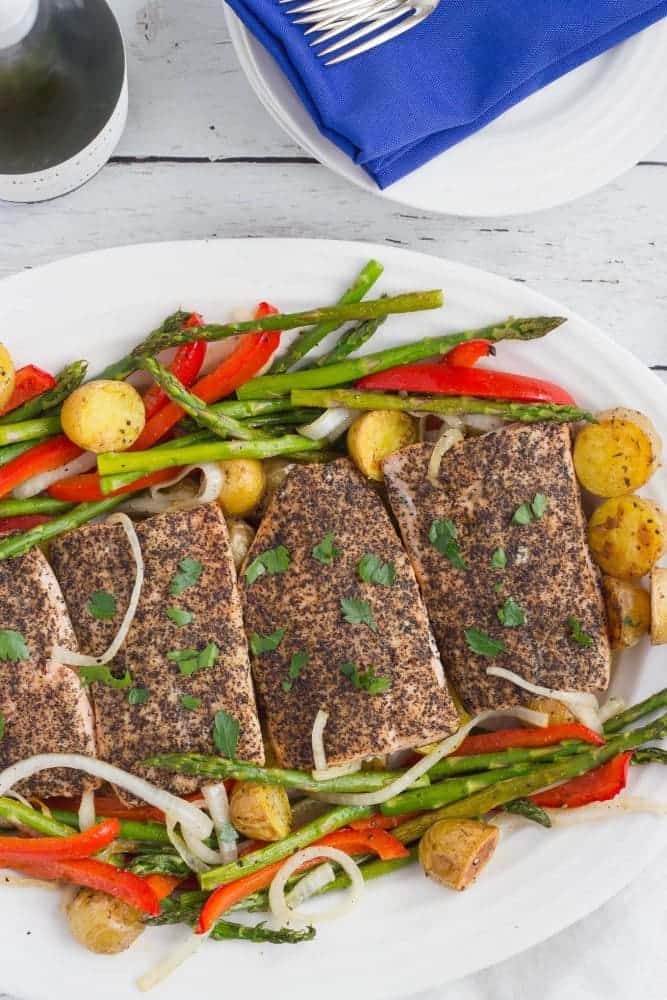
(201, 158)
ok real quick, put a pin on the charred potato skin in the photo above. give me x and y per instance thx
(618, 454)
(243, 486)
(7, 376)
(103, 415)
(377, 434)
(628, 612)
(103, 924)
(241, 535)
(659, 606)
(454, 851)
(260, 812)
(626, 536)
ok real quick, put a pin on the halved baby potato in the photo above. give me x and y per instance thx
(7, 374)
(243, 485)
(659, 606)
(104, 415)
(377, 434)
(628, 612)
(559, 714)
(454, 851)
(618, 454)
(626, 536)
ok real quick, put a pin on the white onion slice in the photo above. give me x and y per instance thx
(218, 809)
(180, 954)
(611, 707)
(185, 813)
(336, 772)
(278, 904)
(87, 810)
(37, 484)
(330, 424)
(72, 659)
(23, 882)
(319, 755)
(310, 884)
(624, 805)
(443, 749)
(157, 500)
(583, 705)
(447, 440)
(183, 847)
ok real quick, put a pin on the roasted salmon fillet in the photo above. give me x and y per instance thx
(323, 637)
(500, 553)
(43, 705)
(189, 574)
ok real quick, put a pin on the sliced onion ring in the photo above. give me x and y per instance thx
(330, 424)
(183, 847)
(87, 810)
(449, 437)
(217, 803)
(337, 772)
(583, 705)
(319, 755)
(278, 904)
(37, 484)
(157, 500)
(310, 884)
(190, 944)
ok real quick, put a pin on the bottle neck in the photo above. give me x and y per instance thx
(16, 20)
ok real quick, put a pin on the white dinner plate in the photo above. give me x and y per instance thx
(562, 142)
(407, 934)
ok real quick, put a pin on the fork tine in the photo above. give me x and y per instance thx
(368, 29)
(364, 17)
(386, 36)
(337, 14)
(367, 9)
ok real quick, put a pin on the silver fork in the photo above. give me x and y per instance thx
(329, 19)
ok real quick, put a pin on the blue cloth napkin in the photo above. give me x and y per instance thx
(399, 105)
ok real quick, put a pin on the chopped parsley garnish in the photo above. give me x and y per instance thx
(373, 570)
(497, 587)
(191, 660)
(511, 615)
(482, 644)
(226, 731)
(179, 616)
(101, 605)
(100, 673)
(12, 646)
(523, 514)
(533, 511)
(189, 571)
(2, 725)
(325, 551)
(539, 506)
(137, 696)
(272, 561)
(499, 558)
(266, 643)
(365, 680)
(577, 632)
(297, 663)
(442, 534)
(357, 612)
(191, 703)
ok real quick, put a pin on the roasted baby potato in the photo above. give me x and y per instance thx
(103, 416)
(7, 375)
(659, 606)
(261, 812)
(454, 851)
(627, 536)
(618, 454)
(559, 714)
(375, 435)
(103, 924)
(243, 485)
(628, 612)
(240, 540)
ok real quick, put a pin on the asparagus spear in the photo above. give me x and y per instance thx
(350, 342)
(650, 755)
(34, 505)
(622, 719)
(12, 451)
(221, 424)
(360, 399)
(184, 907)
(225, 930)
(483, 802)
(310, 338)
(354, 368)
(121, 369)
(331, 821)
(528, 809)
(150, 461)
(294, 418)
(66, 382)
(450, 766)
(130, 829)
(159, 864)
(29, 430)
(17, 545)
(17, 812)
(434, 796)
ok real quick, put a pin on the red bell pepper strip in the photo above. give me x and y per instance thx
(29, 382)
(163, 885)
(603, 783)
(505, 739)
(79, 845)
(251, 353)
(42, 458)
(446, 380)
(351, 841)
(22, 522)
(93, 874)
(468, 353)
(380, 822)
(186, 365)
(86, 487)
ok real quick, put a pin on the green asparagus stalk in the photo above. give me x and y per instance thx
(483, 802)
(650, 755)
(29, 430)
(643, 708)
(320, 827)
(450, 766)
(16, 812)
(159, 864)
(247, 409)
(66, 382)
(121, 369)
(225, 930)
(294, 418)
(130, 829)
(150, 461)
(184, 907)
(311, 337)
(360, 399)
(221, 425)
(12, 451)
(528, 809)
(451, 790)
(197, 437)
(354, 368)
(17, 545)
(33, 505)
(222, 769)
(351, 341)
